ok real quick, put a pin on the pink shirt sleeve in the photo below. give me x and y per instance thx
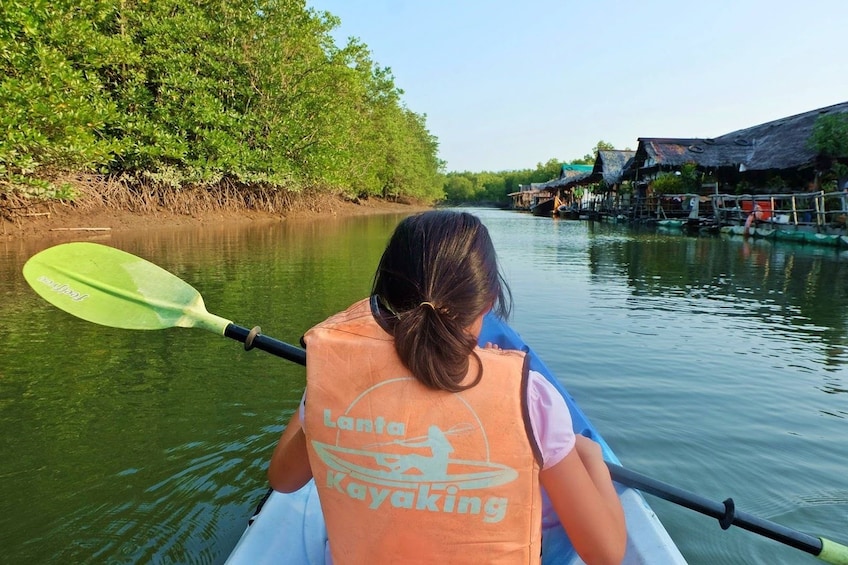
(550, 420)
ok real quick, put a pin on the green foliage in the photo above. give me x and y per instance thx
(691, 177)
(744, 187)
(494, 187)
(54, 111)
(686, 180)
(177, 91)
(477, 187)
(776, 182)
(589, 158)
(547, 171)
(829, 138)
(604, 146)
(841, 172)
(459, 188)
(667, 183)
(830, 135)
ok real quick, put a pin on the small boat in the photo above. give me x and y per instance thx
(822, 239)
(544, 208)
(289, 528)
(671, 224)
(567, 212)
(733, 230)
(791, 235)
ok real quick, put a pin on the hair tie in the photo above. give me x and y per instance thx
(441, 310)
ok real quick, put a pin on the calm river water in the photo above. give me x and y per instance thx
(715, 364)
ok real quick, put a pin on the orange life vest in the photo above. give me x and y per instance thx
(408, 474)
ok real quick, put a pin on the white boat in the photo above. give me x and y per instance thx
(671, 224)
(289, 528)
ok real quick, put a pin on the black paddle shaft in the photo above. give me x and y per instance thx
(253, 338)
(724, 512)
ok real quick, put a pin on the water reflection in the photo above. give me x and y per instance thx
(799, 291)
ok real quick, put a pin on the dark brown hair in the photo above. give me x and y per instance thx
(438, 273)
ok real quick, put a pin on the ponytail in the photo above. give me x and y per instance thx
(438, 274)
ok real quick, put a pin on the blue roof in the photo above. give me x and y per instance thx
(578, 168)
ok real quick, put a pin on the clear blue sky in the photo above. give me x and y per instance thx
(507, 84)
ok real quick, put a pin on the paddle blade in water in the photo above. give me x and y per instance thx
(114, 288)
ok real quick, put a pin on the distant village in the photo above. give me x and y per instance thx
(777, 179)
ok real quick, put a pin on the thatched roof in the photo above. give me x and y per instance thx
(609, 165)
(676, 152)
(779, 144)
(532, 187)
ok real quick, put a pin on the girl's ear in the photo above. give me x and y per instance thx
(477, 325)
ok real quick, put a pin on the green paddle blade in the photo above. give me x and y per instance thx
(114, 288)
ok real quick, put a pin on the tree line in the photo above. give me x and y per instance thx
(183, 93)
(493, 187)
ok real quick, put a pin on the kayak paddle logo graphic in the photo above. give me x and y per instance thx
(419, 470)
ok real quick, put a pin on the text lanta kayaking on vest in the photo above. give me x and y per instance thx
(401, 473)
